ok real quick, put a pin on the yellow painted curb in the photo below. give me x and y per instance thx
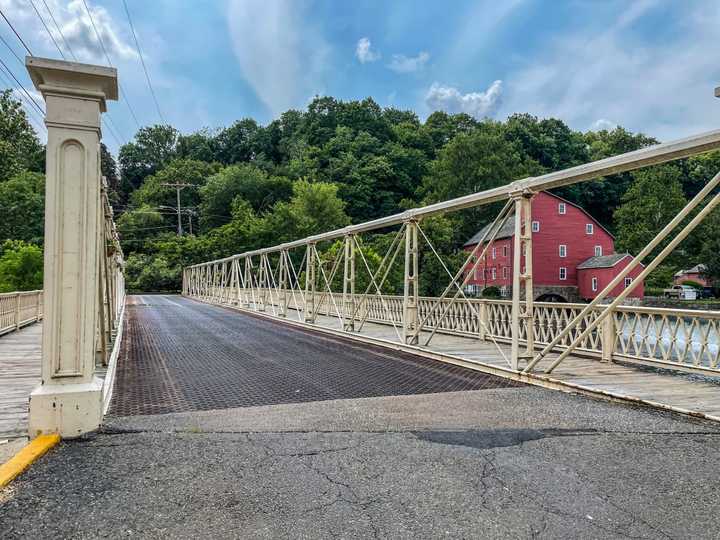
(26, 457)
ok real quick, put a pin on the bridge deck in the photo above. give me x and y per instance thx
(180, 355)
(689, 392)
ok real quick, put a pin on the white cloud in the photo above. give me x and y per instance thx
(408, 64)
(610, 70)
(603, 124)
(365, 52)
(281, 55)
(476, 104)
(81, 36)
(76, 28)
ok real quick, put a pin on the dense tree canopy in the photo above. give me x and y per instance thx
(340, 162)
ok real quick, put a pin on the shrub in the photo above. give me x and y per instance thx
(491, 292)
(21, 267)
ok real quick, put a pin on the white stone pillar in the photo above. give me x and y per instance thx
(69, 398)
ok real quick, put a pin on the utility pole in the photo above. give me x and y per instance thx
(178, 186)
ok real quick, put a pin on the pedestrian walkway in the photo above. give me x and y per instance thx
(19, 374)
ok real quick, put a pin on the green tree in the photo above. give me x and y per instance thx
(21, 266)
(442, 127)
(245, 181)
(135, 227)
(22, 207)
(239, 142)
(710, 247)
(200, 146)
(19, 146)
(654, 198)
(603, 196)
(472, 162)
(314, 208)
(152, 149)
(146, 273)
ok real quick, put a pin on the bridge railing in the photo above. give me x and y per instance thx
(18, 309)
(687, 339)
(540, 336)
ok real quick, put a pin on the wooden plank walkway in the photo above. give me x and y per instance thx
(673, 389)
(19, 374)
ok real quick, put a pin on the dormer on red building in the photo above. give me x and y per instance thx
(565, 241)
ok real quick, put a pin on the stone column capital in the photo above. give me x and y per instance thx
(75, 93)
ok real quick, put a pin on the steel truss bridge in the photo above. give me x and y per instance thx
(664, 357)
(569, 346)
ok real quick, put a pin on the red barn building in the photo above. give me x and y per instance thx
(570, 250)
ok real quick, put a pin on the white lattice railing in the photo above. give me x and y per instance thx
(18, 309)
(685, 338)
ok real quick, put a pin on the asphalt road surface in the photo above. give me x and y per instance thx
(227, 426)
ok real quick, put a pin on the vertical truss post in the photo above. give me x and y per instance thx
(608, 335)
(262, 283)
(522, 248)
(248, 282)
(283, 282)
(349, 284)
(410, 290)
(239, 285)
(310, 284)
(482, 320)
(234, 283)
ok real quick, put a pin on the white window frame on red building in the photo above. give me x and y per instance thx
(598, 251)
(506, 251)
(562, 209)
(594, 284)
(506, 272)
(563, 273)
(628, 282)
(562, 250)
(535, 226)
(494, 252)
(589, 228)
(493, 274)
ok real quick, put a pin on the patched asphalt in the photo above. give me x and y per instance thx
(495, 462)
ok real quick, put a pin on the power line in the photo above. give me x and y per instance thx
(15, 32)
(142, 61)
(59, 31)
(27, 97)
(32, 113)
(11, 49)
(123, 93)
(32, 99)
(46, 29)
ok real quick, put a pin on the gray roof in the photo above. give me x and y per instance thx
(697, 269)
(506, 231)
(603, 261)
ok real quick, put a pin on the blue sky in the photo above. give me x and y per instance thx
(649, 65)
